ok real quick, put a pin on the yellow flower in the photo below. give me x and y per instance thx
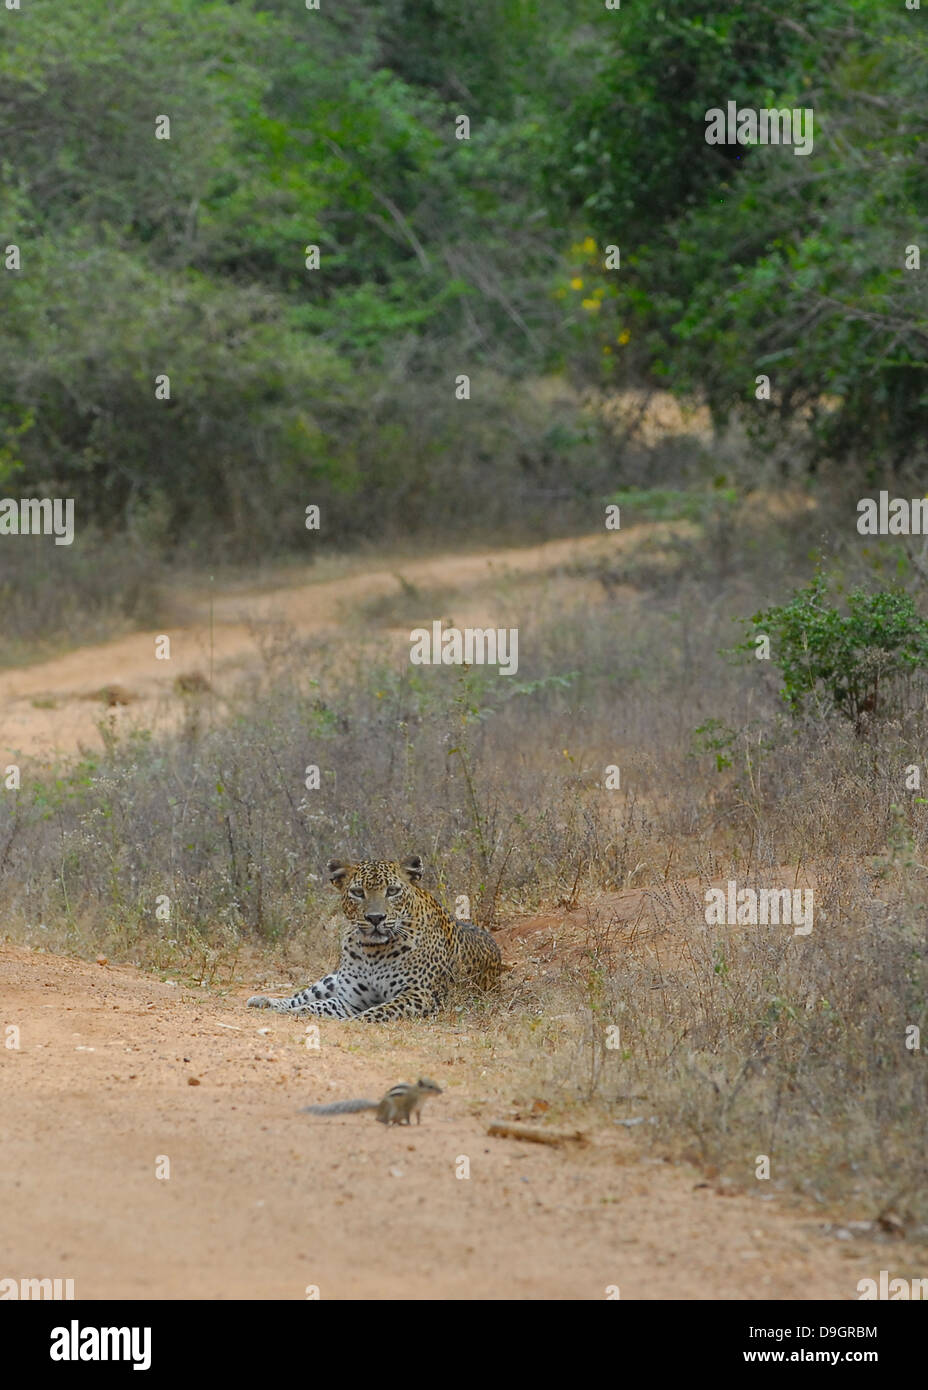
(623, 337)
(589, 246)
(591, 305)
(576, 283)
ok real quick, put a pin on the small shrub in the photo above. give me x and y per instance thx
(857, 659)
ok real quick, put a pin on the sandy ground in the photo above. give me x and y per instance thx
(263, 1201)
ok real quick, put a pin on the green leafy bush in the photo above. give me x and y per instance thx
(857, 659)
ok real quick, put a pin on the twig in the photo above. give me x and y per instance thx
(502, 1129)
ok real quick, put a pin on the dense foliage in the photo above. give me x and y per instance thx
(336, 127)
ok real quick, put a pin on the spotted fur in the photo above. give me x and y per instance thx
(401, 951)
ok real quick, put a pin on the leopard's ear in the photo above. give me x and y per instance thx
(338, 872)
(412, 868)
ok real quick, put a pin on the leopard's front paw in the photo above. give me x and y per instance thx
(258, 1001)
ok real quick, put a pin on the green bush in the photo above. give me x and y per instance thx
(858, 660)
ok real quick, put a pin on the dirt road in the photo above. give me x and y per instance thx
(48, 709)
(263, 1201)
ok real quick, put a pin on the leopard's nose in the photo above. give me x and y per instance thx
(375, 918)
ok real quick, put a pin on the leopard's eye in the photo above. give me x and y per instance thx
(393, 890)
(357, 893)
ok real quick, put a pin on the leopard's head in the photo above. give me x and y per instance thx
(377, 895)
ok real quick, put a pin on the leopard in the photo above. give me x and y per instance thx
(402, 953)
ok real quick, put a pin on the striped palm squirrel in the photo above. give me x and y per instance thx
(399, 1104)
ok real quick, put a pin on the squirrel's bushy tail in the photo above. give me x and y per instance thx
(340, 1107)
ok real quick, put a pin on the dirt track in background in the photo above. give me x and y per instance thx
(52, 709)
(264, 1201)
(48, 709)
